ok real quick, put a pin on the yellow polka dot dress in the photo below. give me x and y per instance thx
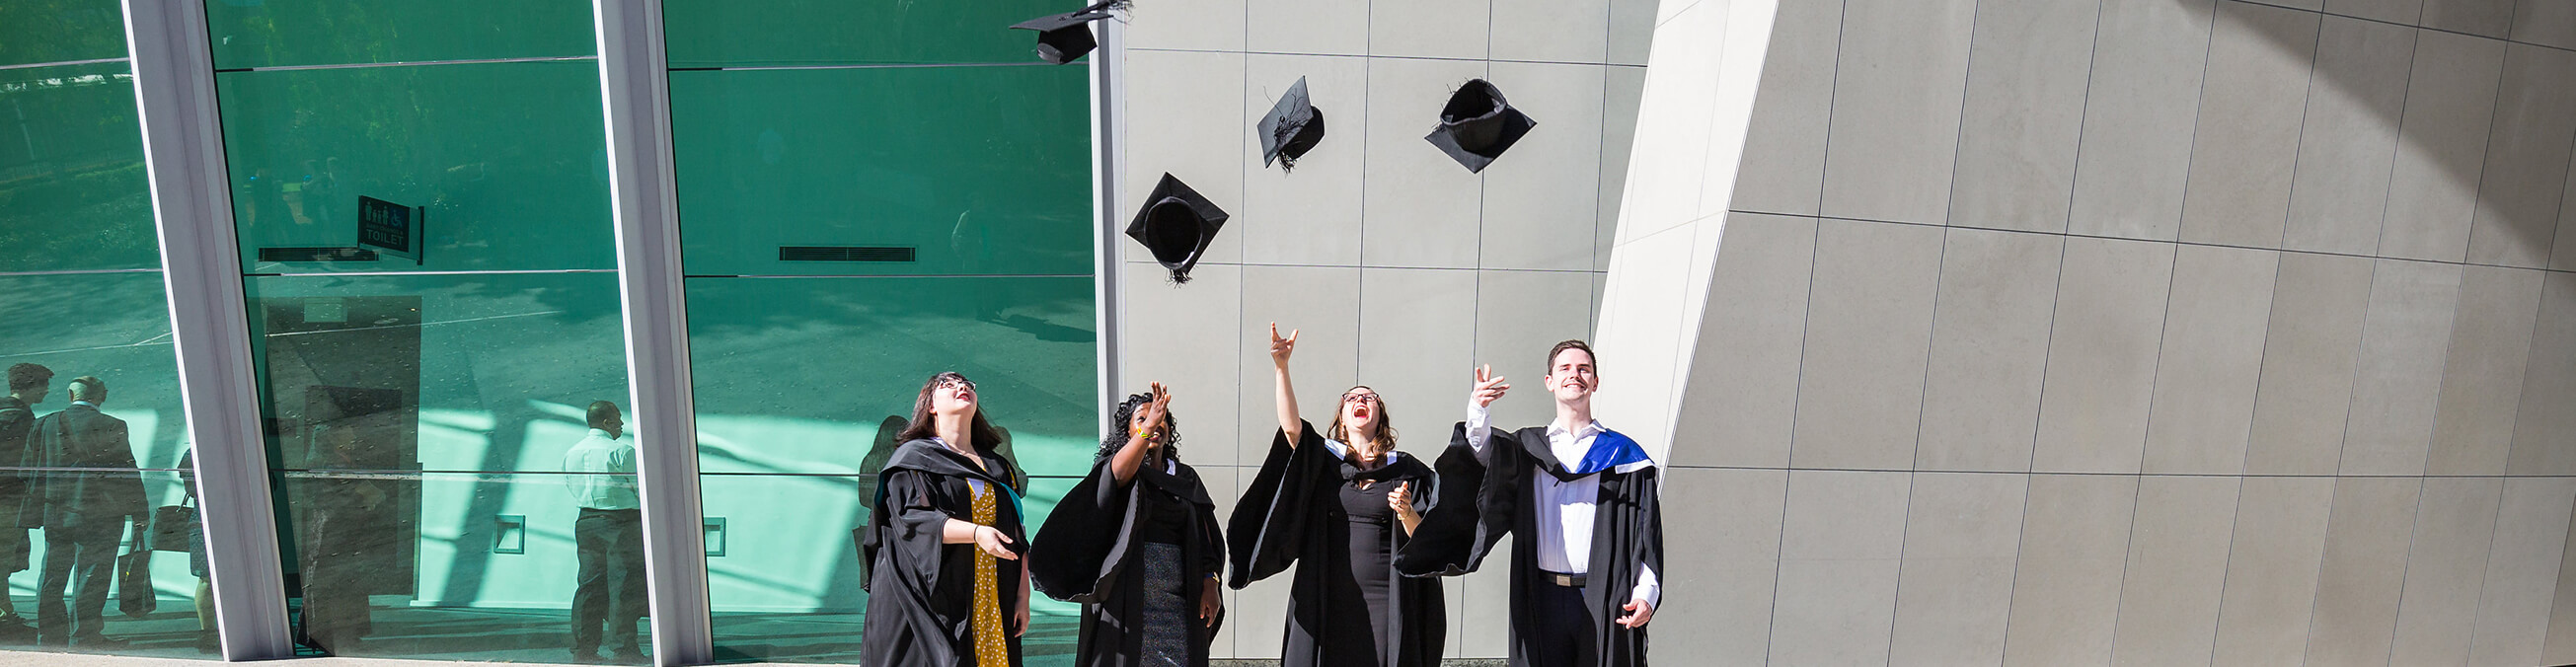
(992, 648)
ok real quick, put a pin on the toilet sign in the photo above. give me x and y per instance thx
(389, 228)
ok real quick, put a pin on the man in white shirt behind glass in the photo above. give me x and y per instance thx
(1583, 500)
(608, 538)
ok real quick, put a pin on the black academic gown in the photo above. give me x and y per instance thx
(1483, 500)
(1088, 552)
(919, 589)
(1294, 514)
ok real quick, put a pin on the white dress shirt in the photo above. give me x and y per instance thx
(1567, 505)
(610, 464)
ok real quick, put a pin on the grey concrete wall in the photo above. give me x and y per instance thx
(2086, 332)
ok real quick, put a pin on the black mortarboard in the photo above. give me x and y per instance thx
(1064, 37)
(1293, 127)
(1176, 224)
(1477, 125)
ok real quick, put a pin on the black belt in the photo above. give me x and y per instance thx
(1562, 579)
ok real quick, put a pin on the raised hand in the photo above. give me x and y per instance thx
(1158, 407)
(1488, 386)
(1401, 500)
(1280, 348)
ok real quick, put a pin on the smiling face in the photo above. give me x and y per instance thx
(1361, 409)
(1137, 421)
(953, 396)
(1570, 376)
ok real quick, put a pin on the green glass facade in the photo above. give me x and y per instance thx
(867, 195)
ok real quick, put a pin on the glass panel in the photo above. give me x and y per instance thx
(169, 616)
(252, 33)
(766, 405)
(977, 170)
(449, 566)
(73, 195)
(786, 587)
(45, 31)
(716, 33)
(112, 326)
(420, 426)
(506, 160)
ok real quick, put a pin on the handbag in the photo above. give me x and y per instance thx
(172, 526)
(134, 594)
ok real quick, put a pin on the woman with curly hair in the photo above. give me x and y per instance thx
(1137, 544)
(1338, 504)
(946, 585)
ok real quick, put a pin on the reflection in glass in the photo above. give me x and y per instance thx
(720, 33)
(72, 190)
(44, 31)
(419, 426)
(276, 34)
(975, 170)
(506, 159)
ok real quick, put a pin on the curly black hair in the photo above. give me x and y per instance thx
(1126, 412)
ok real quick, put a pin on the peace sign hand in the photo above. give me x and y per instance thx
(1488, 386)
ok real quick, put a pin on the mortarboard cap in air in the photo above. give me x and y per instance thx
(1065, 37)
(1293, 127)
(1478, 125)
(1177, 224)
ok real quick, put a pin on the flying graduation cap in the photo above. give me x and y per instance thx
(1064, 37)
(1176, 225)
(1477, 125)
(1293, 127)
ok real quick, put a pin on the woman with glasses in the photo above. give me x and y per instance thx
(946, 585)
(1138, 545)
(1338, 504)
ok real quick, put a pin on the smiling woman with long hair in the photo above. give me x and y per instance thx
(1338, 504)
(946, 585)
(1138, 545)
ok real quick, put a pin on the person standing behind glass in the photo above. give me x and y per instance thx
(84, 514)
(28, 384)
(608, 538)
(947, 516)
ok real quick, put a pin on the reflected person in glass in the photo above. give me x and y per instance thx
(1338, 505)
(84, 514)
(1138, 544)
(946, 585)
(608, 538)
(28, 385)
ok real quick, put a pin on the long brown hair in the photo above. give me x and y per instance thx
(1385, 435)
(924, 426)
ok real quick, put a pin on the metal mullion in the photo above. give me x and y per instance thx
(1108, 92)
(635, 89)
(201, 270)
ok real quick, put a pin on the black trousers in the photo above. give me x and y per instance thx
(1564, 626)
(610, 544)
(79, 558)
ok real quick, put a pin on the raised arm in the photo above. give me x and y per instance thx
(1280, 348)
(1123, 464)
(1479, 403)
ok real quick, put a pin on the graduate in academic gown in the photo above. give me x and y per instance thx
(946, 586)
(1338, 505)
(1582, 503)
(1137, 543)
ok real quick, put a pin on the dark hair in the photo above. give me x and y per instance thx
(1126, 412)
(923, 426)
(23, 377)
(600, 411)
(96, 392)
(1385, 421)
(1571, 345)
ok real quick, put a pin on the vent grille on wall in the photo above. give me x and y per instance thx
(294, 254)
(844, 253)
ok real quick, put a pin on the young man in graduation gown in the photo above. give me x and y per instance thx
(1137, 543)
(1581, 501)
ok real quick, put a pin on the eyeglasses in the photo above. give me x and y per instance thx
(953, 383)
(1356, 397)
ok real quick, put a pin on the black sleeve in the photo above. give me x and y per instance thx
(912, 527)
(125, 491)
(1471, 508)
(1269, 522)
(1075, 553)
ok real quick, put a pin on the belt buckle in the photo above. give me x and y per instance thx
(1566, 580)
